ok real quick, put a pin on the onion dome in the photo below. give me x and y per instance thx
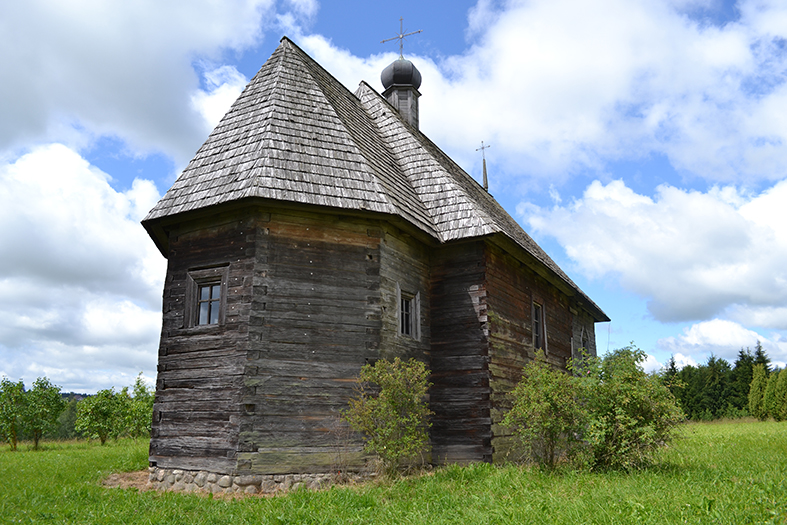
(401, 72)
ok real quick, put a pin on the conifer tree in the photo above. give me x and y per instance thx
(757, 392)
(740, 379)
(769, 401)
(761, 358)
(780, 413)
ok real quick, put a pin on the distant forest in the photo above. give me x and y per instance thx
(716, 389)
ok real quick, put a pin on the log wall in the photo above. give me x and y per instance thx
(511, 289)
(196, 414)
(310, 299)
(459, 397)
(316, 322)
(404, 263)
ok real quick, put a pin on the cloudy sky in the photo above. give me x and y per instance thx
(642, 143)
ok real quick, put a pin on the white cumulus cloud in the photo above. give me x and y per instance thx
(693, 255)
(120, 68)
(224, 86)
(722, 338)
(80, 281)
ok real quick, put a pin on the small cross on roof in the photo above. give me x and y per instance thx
(401, 36)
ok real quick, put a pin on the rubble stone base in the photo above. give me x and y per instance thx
(179, 480)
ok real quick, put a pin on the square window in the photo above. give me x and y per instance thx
(209, 304)
(206, 290)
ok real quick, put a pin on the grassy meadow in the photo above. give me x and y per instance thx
(726, 472)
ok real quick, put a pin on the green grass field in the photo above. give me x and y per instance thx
(732, 473)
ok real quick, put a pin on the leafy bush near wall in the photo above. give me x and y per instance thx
(391, 411)
(609, 414)
(631, 413)
(547, 413)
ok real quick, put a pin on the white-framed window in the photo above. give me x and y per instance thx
(408, 313)
(206, 296)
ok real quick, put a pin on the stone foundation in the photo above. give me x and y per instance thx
(164, 479)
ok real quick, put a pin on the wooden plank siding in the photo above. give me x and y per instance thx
(461, 427)
(318, 307)
(196, 414)
(404, 263)
(512, 288)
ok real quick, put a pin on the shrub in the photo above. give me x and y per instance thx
(780, 394)
(391, 411)
(769, 401)
(547, 415)
(611, 407)
(631, 413)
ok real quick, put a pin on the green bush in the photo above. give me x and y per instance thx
(610, 410)
(547, 415)
(391, 411)
(138, 410)
(780, 395)
(631, 413)
(769, 401)
(101, 416)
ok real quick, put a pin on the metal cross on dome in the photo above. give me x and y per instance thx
(401, 36)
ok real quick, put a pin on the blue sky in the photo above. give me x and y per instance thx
(642, 143)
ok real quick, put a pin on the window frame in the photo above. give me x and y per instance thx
(411, 317)
(539, 326)
(197, 279)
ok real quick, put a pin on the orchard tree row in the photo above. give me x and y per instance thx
(717, 389)
(44, 412)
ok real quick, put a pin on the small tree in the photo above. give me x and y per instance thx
(99, 416)
(391, 411)
(12, 410)
(547, 415)
(631, 413)
(139, 410)
(44, 406)
(759, 382)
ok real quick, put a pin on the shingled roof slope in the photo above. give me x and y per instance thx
(297, 134)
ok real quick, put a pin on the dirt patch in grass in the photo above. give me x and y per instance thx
(128, 480)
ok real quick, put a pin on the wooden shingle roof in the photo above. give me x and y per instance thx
(296, 134)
